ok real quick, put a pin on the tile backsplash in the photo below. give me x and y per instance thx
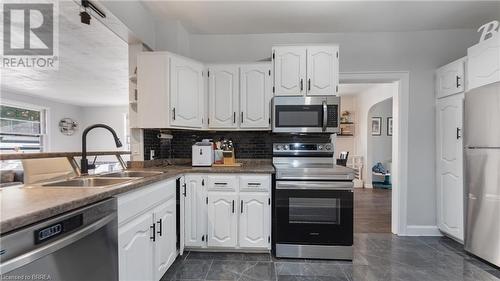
(247, 144)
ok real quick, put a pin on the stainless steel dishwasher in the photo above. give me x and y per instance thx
(79, 245)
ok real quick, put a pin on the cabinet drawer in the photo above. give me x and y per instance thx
(137, 201)
(255, 183)
(223, 182)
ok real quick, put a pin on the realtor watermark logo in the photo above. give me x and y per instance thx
(30, 34)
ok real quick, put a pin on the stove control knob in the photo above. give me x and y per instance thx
(279, 147)
(285, 147)
(320, 147)
(328, 147)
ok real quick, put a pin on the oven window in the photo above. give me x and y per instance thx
(314, 210)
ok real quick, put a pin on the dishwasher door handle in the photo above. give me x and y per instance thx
(50, 248)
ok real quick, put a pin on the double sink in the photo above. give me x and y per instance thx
(102, 180)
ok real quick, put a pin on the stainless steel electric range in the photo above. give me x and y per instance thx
(313, 203)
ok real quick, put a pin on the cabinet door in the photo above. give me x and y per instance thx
(289, 71)
(135, 252)
(450, 79)
(254, 220)
(222, 219)
(483, 62)
(450, 166)
(186, 93)
(195, 211)
(223, 96)
(322, 70)
(166, 236)
(255, 96)
(182, 218)
(152, 91)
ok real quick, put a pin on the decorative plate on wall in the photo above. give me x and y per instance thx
(67, 126)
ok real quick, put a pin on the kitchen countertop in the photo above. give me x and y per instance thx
(21, 206)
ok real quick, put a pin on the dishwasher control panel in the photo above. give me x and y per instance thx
(56, 229)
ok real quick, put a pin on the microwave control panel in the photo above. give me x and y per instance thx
(332, 117)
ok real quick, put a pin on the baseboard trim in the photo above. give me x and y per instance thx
(368, 185)
(423, 230)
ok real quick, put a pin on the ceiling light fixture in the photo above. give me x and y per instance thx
(85, 16)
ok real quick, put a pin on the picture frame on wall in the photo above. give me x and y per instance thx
(376, 126)
(389, 126)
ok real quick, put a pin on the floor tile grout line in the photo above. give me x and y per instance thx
(208, 271)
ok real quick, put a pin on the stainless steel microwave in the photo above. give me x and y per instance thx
(306, 114)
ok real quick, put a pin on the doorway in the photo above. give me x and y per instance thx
(387, 206)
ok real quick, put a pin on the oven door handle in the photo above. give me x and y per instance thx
(325, 115)
(312, 185)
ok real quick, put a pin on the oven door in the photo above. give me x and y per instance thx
(314, 212)
(308, 115)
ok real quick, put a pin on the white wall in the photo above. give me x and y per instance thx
(136, 18)
(380, 147)
(56, 111)
(417, 52)
(99, 139)
(347, 143)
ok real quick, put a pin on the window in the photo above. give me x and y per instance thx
(21, 129)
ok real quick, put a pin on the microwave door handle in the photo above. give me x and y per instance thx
(325, 115)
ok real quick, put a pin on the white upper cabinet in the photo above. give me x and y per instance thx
(223, 226)
(254, 220)
(223, 86)
(450, 186)
(450, 79)
(170, 91)
(152, 90)
(186, 92)
(289, 70)
(483, 65)
(255, 96)
(322, 70)
(306, 70)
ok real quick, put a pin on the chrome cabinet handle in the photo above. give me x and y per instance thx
(201, 151)
(153, 228)
(309, 84)
(184, 190)
(234, 117)
(458, 81)
(325, 115)
(458, 133)
(242, 117)
(254, 183)
(220, 183)
(160, 230)
(233, 206)
(173, 112)
(301, 84)
(241, 206)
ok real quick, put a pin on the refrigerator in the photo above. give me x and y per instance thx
(482, 172)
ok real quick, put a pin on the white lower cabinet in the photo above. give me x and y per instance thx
(227, 211)
(195, 211)
(165, 249)
(136, 249)
(450, 186)
(147, 233)
(222, 219)
(254, 220)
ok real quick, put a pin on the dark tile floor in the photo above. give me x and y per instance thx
(377, 257)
